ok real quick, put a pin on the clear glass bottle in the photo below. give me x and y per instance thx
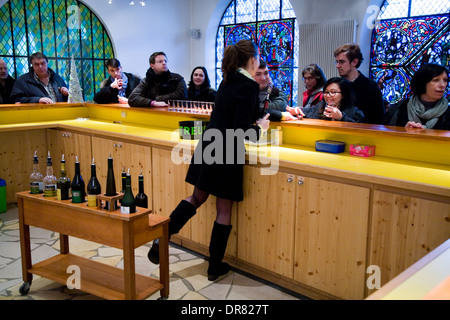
(49, 180)
(36, 183)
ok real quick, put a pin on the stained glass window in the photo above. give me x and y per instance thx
(272, 25)
(408, 34)
(60, 30)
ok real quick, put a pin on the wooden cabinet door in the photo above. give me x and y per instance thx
(71, 145)
(404, 229)
(125, 155)
(169, 186)
(331, 237)
(16, 159)
(266, 221)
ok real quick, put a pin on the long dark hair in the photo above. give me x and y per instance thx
(236, 56)
(347, 93)
(205, 85)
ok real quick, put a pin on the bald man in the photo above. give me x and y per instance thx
(6, 84)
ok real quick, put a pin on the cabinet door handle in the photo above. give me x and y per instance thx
(290, 178)
(300, 181)
(117, 145)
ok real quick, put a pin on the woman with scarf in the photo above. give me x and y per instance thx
(427, 108)
(159, 85)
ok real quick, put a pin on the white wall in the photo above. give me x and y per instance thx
(164, 25)
(137, 32)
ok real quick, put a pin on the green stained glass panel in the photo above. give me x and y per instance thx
(34, 26)
(62, 47)
(97, 32)
(99, 73)
(22, 66)
(108, 47)
(88, 79)
(6, 47)
(60, 29)
(86, 35)
(48, 32)
(20, 36)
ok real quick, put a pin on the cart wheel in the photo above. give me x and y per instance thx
(24, 288)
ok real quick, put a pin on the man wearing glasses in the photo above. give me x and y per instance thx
(367, 93)
(159, 85)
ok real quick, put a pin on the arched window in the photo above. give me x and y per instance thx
(60, 30)
(408, 34)
(272, 25)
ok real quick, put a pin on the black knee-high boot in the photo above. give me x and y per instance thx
(217, 248)
(178, 218)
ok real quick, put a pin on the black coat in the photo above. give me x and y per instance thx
(162, 87)
(236, 107)
(205, 94)
(369, 99)
(27, 90)
(109, 95)
(5, 91)
(349, 113)
(398, 116)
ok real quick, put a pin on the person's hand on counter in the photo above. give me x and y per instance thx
(296, 112)
(45, 100)
(159, 104)
(122, 100)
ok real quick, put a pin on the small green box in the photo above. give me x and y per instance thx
(2, 196)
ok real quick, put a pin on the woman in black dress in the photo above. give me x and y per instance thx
(218, 162)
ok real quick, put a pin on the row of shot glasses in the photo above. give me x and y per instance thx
(191, 106)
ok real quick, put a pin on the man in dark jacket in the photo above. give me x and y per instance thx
(118, 87)
(6, 84)
(159, 85)
(40, 85)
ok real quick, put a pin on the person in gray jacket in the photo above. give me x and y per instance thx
(159, 85)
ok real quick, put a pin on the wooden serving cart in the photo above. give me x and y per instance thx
(111, 228)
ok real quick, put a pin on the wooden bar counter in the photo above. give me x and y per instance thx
(111, 228)
(311, 222)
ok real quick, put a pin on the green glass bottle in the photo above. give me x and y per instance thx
(141, 198)
(93, 187)
(78, 186)
(128, 205)
(63, 184)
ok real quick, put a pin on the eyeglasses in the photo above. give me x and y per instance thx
(331, 93)
(340, 62)
(308, 79)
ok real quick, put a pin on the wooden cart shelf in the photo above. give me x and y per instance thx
(122, 231)
(97, 278)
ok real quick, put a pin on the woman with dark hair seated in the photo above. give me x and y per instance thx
(199, 88)
(338, 105)
(427, 108)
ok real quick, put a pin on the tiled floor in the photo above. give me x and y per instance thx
(188, 279)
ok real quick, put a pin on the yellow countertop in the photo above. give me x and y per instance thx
(377, 169)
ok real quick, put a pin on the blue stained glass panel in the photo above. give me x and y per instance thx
(401, 45)
(277, 40)
(6, 45)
